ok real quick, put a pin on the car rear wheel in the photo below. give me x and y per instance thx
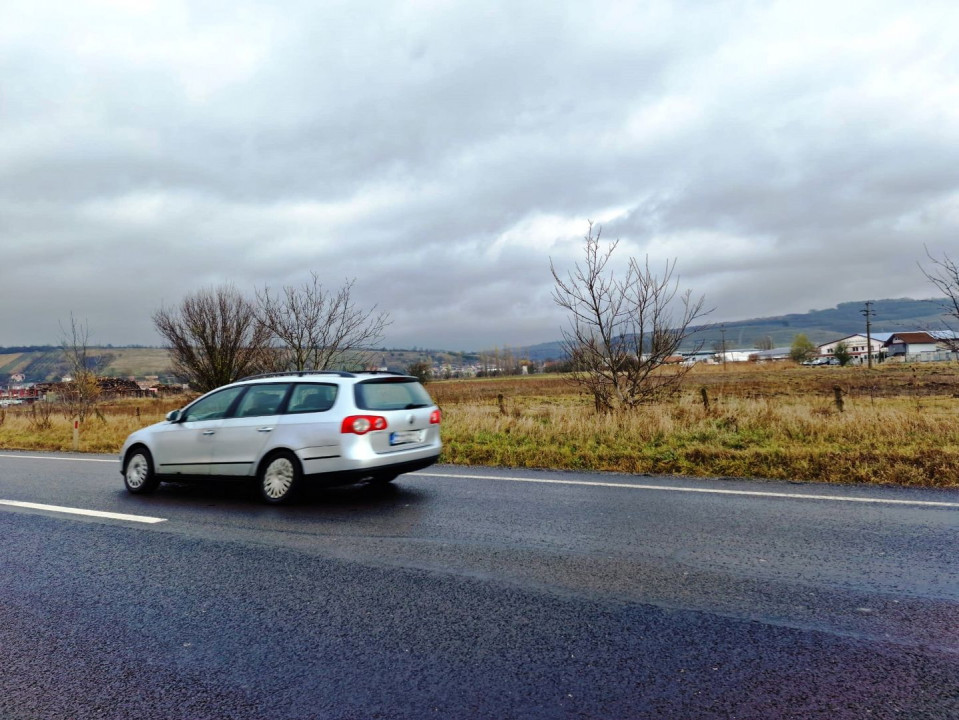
(138, 474)
(279, 477)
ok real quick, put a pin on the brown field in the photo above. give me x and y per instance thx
(898, 425)
(10, 359)
(138, 362)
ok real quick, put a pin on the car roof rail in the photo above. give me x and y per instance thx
(299, 373)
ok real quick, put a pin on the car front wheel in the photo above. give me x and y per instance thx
(279, 477)
(138, 474)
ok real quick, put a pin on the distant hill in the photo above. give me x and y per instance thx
(820, 326)
(45, 363)
(39, 364)
(891, 315)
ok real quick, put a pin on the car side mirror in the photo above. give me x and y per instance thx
(174, 416)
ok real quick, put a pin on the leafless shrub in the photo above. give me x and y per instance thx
(944, 274)
(317, 328)
(623, 333)
(214, 337)
(41, 416)
(81, 394)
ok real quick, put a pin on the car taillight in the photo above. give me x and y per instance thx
(362, 424)
(435, 417)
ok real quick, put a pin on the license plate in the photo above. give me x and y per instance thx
(405, 437)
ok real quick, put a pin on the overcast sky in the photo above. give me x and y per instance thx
(789, 155)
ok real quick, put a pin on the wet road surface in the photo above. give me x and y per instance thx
(475, 593)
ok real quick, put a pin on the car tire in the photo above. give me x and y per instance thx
(279, 477)
(139, 475)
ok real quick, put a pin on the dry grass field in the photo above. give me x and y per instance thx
(138, 362)
(47, 427)
(898, 425)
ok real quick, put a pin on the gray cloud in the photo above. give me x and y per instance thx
(790, 157)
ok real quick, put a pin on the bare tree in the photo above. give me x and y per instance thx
(944, 274)
(622, 331)
(422, 370)
(318, 328)
(764, 343)
(214, 337)
(83, 391)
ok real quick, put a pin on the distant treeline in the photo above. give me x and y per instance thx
(27, 348)
(50, 348)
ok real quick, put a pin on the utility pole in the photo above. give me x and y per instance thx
(868, 312)
(722, 331)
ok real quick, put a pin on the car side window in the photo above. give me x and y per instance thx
(262, 400)
(212, 407)
(312, 397)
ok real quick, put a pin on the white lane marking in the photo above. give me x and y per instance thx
(81, 511)
(49, 457)
(713, 491)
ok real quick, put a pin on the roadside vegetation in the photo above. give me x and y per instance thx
(837, 425)
(896, 424)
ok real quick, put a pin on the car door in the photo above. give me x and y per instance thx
(311, 427)
(241, 437)
(185, 447)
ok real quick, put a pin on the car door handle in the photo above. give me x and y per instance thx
(209, 432)
(264, 429)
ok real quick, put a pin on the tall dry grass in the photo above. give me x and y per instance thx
(898, 424)
(890, 443)
(37, 427)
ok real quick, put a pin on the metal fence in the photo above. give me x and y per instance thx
(940, 356)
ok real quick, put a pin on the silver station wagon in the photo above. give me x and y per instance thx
(285, 429)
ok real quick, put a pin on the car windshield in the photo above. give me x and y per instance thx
(391, 394)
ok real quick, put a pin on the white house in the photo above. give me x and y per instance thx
(911, 343)
(780, 353)
(855, 345)
(735, 355)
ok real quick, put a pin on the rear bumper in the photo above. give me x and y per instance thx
(347, 477)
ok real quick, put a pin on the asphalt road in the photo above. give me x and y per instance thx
(475, 593)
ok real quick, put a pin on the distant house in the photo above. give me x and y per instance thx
(780, 353)
(735, 355)
(18, 394)
(703, 356)
(856, 346)
(912, 343)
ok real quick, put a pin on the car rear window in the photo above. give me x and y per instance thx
(312, 397)
(391, 394)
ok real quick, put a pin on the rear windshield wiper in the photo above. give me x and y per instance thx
(414, 406)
